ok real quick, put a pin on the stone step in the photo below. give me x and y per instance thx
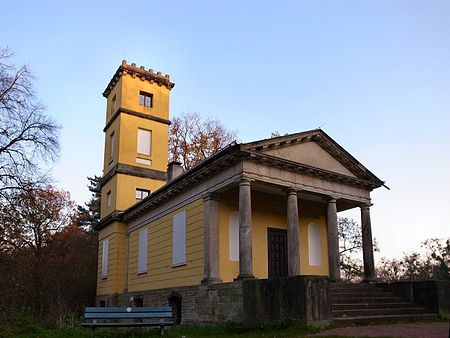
(378, 312)
(354, 306)
(365, 300)
(375, 293)
(383, 319)
(352, 285)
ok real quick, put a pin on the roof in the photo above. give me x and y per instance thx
(252, 151)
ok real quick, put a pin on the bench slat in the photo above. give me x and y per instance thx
(127, 315)
(124, 309)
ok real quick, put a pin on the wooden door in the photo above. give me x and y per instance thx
(277, 252)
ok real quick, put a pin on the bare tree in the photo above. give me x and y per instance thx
(191, 140)
(350, 245)
(27, 135)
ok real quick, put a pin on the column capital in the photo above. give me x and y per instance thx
(331, 199)
(365, 206)
(292, 191)
(245, 180)
(210, 196)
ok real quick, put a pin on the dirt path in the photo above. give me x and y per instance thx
(420, 330)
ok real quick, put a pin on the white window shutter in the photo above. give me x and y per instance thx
(105, 250)
(144, 142)
(233, 232)
(314, 246)
(142, 251)
(179, 239)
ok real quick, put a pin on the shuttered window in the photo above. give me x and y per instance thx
(233, 233)
(314, 245)
(105, 249)
(179, 239)
(142, 250)
(144, 141)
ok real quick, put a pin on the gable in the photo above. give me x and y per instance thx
(309, 153)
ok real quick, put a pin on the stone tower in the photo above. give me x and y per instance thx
(135, 156)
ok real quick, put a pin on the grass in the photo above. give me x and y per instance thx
(26, 327)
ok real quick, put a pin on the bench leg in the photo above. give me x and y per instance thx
(161, 329)
(93, 332)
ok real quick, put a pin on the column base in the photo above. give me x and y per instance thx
(210, 280)
(370, 280)
(241, 277)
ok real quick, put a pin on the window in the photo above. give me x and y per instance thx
(105, 248)
(233, 233)
(314, 247)
(144, 141)
(142, 251)
(145, 99)
(112, 145)
(108, 199)
(142, 193)
(179, 239)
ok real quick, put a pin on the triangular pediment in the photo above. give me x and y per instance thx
(316, 149)
(309, 153)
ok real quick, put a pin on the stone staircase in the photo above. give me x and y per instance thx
(366, 303)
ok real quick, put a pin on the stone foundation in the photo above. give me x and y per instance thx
(431, 294)
(253, 301)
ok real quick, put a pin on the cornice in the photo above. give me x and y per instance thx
(127, 169)
(149, 75)
(115, 216)
(309, 170)
(134, 113)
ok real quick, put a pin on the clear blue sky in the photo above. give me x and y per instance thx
(375, 74)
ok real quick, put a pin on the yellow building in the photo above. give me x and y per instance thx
(205, 239)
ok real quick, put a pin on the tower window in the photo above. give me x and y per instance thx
(108, 199)
(144, 141)
(113, 104)
(112, 145)
(145, 99)
(142, 193)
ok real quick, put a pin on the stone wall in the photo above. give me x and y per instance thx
(214, 303)
(253, 301)
(302, 298)
(433, 294)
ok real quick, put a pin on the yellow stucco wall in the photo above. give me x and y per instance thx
(128, 142)
(125, 186)
(131, 86)
(270, 212)
(115, 280)
(160, 273)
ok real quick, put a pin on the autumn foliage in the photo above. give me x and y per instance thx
(47, 263)
(192, 139)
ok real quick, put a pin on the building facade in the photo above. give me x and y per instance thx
(206, 239)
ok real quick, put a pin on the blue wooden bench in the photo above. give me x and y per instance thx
(128, 317)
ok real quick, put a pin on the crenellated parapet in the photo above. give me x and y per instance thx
(144, 74)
